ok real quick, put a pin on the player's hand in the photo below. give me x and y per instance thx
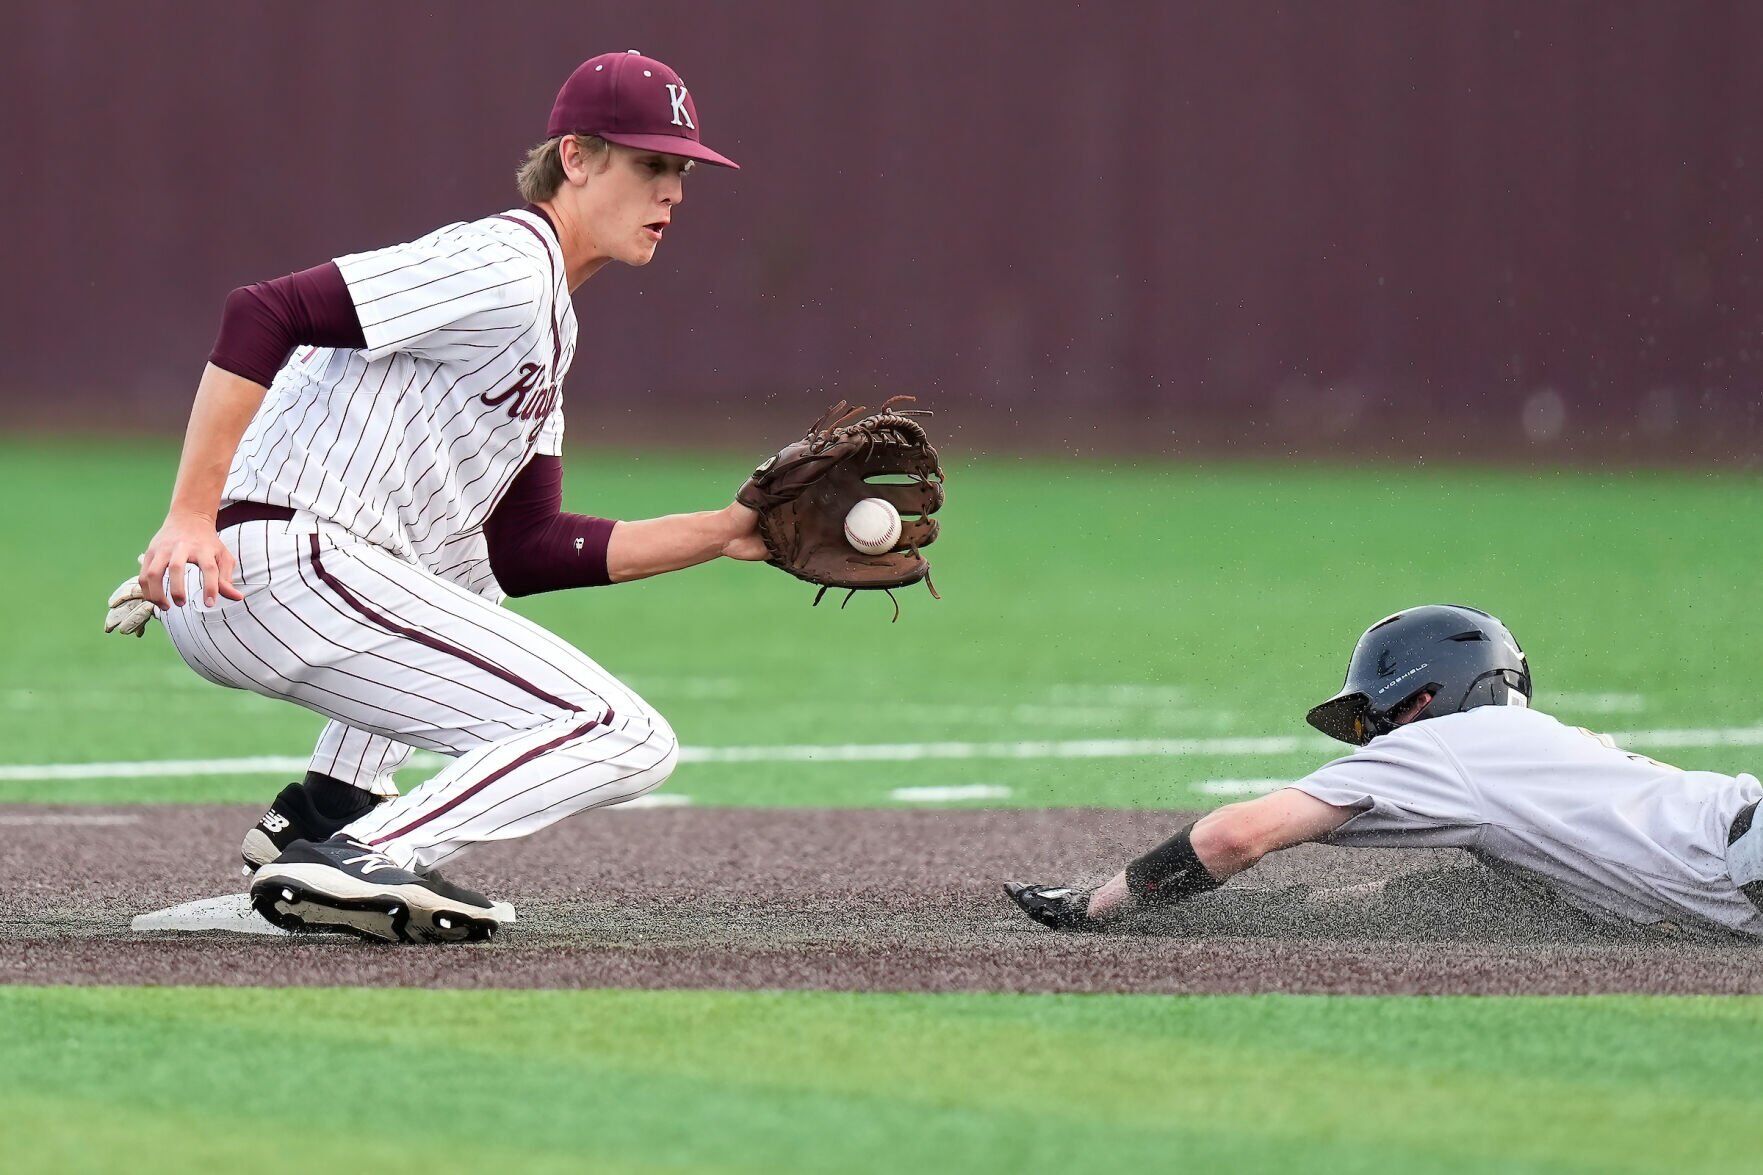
(744, 541)
(129, 612)
(184, 540)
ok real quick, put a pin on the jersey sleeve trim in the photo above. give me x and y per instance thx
(263, 323)
(455, 291)
(1397, 795)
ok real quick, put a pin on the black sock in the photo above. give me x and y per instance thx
(334, 799)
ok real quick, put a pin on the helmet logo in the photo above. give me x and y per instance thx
(1400, 678)
(1386, 664)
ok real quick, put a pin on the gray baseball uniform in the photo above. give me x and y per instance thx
(1613, 833)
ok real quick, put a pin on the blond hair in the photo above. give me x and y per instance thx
(541, 173)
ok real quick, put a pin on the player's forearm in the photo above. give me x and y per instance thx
(1187, 864)
(653, 546)
(1222, 847)
(1229, 841)
(1223, 843)
(225, 404)
(259, 326)
(534, 546)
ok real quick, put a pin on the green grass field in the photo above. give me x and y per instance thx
(1084, 604)
(647, 1081)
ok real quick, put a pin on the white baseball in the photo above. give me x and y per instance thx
(873, 526)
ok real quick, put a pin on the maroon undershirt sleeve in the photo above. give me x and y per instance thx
(263, 323)
(536, 547)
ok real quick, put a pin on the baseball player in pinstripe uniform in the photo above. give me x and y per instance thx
(372, 461)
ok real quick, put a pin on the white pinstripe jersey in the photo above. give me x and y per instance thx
(409, 443)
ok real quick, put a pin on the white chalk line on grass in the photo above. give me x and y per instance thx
(1154, 748)
(155, 768)
(1594, 703)
(1129, 694)
(654, 799)
(1240, 787)
(1093, 748)
(1037, 715)
(950, 794)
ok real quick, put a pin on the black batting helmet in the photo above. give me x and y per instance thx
(1464, 656)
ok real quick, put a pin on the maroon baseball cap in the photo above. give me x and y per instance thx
(634, 101)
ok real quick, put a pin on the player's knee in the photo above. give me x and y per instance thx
(652, 757)
(648, 746)
(665, 743)
(656, 735)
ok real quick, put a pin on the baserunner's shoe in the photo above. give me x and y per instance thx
(1057, 906)
(293, 816)
(345, 885)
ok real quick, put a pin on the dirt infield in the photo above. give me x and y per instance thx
(876, 900)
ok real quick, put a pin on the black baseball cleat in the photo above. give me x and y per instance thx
(294, 816)
(347, 886)
(1058, 907)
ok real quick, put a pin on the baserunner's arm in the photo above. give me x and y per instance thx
(1217, 847)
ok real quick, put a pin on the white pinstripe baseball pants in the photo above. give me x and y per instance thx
(381, 646)
(370, 761)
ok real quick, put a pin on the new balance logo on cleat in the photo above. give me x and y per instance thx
(294, 816)
(370, 862)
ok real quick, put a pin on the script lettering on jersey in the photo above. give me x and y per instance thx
(530, 400)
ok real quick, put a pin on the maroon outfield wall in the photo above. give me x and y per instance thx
(1525, 228)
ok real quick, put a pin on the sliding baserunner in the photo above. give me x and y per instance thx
(373, 459)
(1437, 699)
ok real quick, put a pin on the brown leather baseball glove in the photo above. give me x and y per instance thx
(804, 493)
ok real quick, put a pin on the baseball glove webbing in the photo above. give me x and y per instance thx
(803, 493)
